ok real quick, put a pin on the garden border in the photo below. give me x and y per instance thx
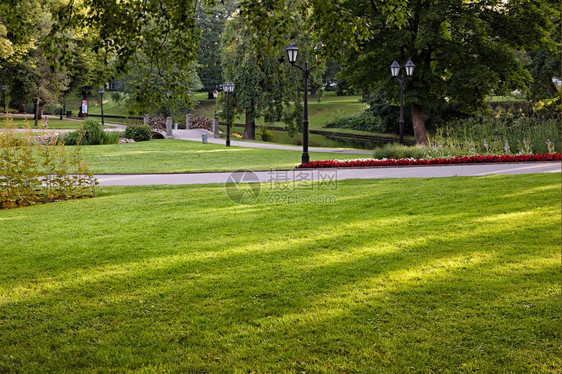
(435, 161)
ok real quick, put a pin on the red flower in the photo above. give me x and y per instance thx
(435, 161)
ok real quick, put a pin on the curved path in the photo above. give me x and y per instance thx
(331, 174)
(195, 135)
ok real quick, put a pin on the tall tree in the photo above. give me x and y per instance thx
(462, 50)
(210, 24)
(265, 83)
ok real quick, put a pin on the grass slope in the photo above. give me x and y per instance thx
(167, 156)
(456, 275)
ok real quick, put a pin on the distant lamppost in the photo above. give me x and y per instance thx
(168, 94)
(215, 95)
(228, 89)
(395, 70)
(292, 54)
(188, 114)
(4, 97)
(101, 92)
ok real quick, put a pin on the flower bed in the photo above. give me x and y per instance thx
(435, 161)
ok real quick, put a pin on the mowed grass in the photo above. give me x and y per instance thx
(54, 123)
(457, 275)
(170, 156)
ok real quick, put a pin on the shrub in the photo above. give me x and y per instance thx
(90, 133)
(33, 171)
(72, 138)
(111, 137)
(397, 151)
(139, 133)
(365, 121)
(481, 135)
(93, 132)
(265, 134)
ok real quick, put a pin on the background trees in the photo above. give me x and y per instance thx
(463, 51)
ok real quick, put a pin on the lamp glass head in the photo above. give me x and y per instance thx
(395, 69)
(292, 52)
(409, 68)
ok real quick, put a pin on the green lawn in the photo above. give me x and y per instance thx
(56, 124)
(169, 156)
(457, 275)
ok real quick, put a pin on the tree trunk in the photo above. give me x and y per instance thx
(313, 91)
(366, 94)
(419, 124)
(250, 128)
(551, 87)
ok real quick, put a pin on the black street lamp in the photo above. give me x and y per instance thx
(228, 89)
(101, 92)
(395, 70)
(169, 110)
(4, 97)
(292, 54)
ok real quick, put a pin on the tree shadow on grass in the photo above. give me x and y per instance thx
(275, 302)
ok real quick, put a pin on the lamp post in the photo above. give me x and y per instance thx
(228, 89)
(4, 97)
(395, 70)
(101, 92)
(169, 111)
(292, 54)
(215, 95)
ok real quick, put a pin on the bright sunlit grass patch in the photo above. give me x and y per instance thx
(422, 275)
(169, 156)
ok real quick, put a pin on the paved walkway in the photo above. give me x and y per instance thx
(195, 135)
(329, 174)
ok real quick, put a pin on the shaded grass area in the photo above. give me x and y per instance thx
(168, 156)
(423, 275)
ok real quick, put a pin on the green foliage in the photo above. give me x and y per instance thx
(365, 121)
(211, 23)
(90, 133)
(38, 170)
(265, 85)
(139, 133)
(396, 151)
(264, 134)
(482, 135)
(72, 138)
(117, 97)
(462, 51)
(93, 132)
(485, 135)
